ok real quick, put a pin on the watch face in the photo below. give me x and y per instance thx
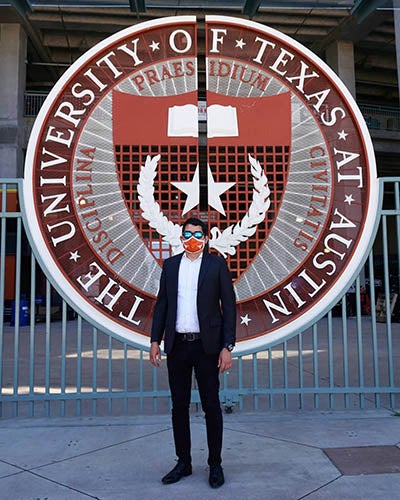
(285, 177)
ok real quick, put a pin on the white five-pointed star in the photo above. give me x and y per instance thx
(192, 191)
(74, 256)
(342, 135)
(215, 189)
(348, 198)
(240, 43)
(245, 320)
(154, 46)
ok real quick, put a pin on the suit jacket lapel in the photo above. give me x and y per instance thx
(175, 271)
(203, 269)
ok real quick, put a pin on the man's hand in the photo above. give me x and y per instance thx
(225, 360)
(155, 354)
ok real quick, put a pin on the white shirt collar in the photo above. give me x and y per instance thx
(197, 259)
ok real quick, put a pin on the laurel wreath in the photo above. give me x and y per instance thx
(233, 235)
(170, 232)
(225, 241)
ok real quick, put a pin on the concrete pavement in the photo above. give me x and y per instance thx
(274, 455)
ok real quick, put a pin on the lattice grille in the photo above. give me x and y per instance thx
(228, 164)
(177, 164)
(231, 164)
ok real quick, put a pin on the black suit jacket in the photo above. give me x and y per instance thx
(216, 304)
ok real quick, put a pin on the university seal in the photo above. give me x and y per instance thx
(256, 135)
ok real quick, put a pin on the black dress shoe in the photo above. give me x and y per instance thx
(216, 478)
(180, 470)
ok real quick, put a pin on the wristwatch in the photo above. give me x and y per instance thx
(229, 347)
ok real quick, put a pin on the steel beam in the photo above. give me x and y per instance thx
(250, 7)
(137, 6)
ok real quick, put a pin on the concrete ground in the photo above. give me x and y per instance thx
(268, 454)
(275, 455)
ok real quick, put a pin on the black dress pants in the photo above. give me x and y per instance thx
(184, 357)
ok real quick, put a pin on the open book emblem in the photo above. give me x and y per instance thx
(183, 121)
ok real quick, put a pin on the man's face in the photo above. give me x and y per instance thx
(195, 234)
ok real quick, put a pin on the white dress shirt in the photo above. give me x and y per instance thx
(186, 314)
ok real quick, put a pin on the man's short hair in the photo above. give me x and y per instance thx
(196, 222)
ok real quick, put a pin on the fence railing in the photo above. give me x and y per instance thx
(381, 117)
(376, 117)
(53, 362)
(33, 101)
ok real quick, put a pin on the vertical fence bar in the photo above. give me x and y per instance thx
(255, 381)
(345, 353)
(94, 369)
(373, 328)
(360, 343)
(285, 375)
(240, 380)
(79, 366)
(300, 369)
(63, 355)
(32, 335)
(330, 360)
(270, 377)
(225, 381)
(125, 376)
(155, 388)
(315, 362)
(17, 308)
(388, 306)
(110, 358)
(141, 399)
(47, 348)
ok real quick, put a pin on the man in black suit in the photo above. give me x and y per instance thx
(196, 313)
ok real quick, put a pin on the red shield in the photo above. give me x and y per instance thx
(263, 130)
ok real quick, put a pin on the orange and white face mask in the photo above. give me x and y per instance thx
(193, 245)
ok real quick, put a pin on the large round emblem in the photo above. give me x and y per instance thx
(254, 134)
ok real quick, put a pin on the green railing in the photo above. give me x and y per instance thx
(381, 117)
(53, 362)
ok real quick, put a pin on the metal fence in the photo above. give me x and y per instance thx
(52, 362)
(33, 101)
(381, 117)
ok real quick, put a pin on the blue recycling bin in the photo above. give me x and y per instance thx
(23, 313)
